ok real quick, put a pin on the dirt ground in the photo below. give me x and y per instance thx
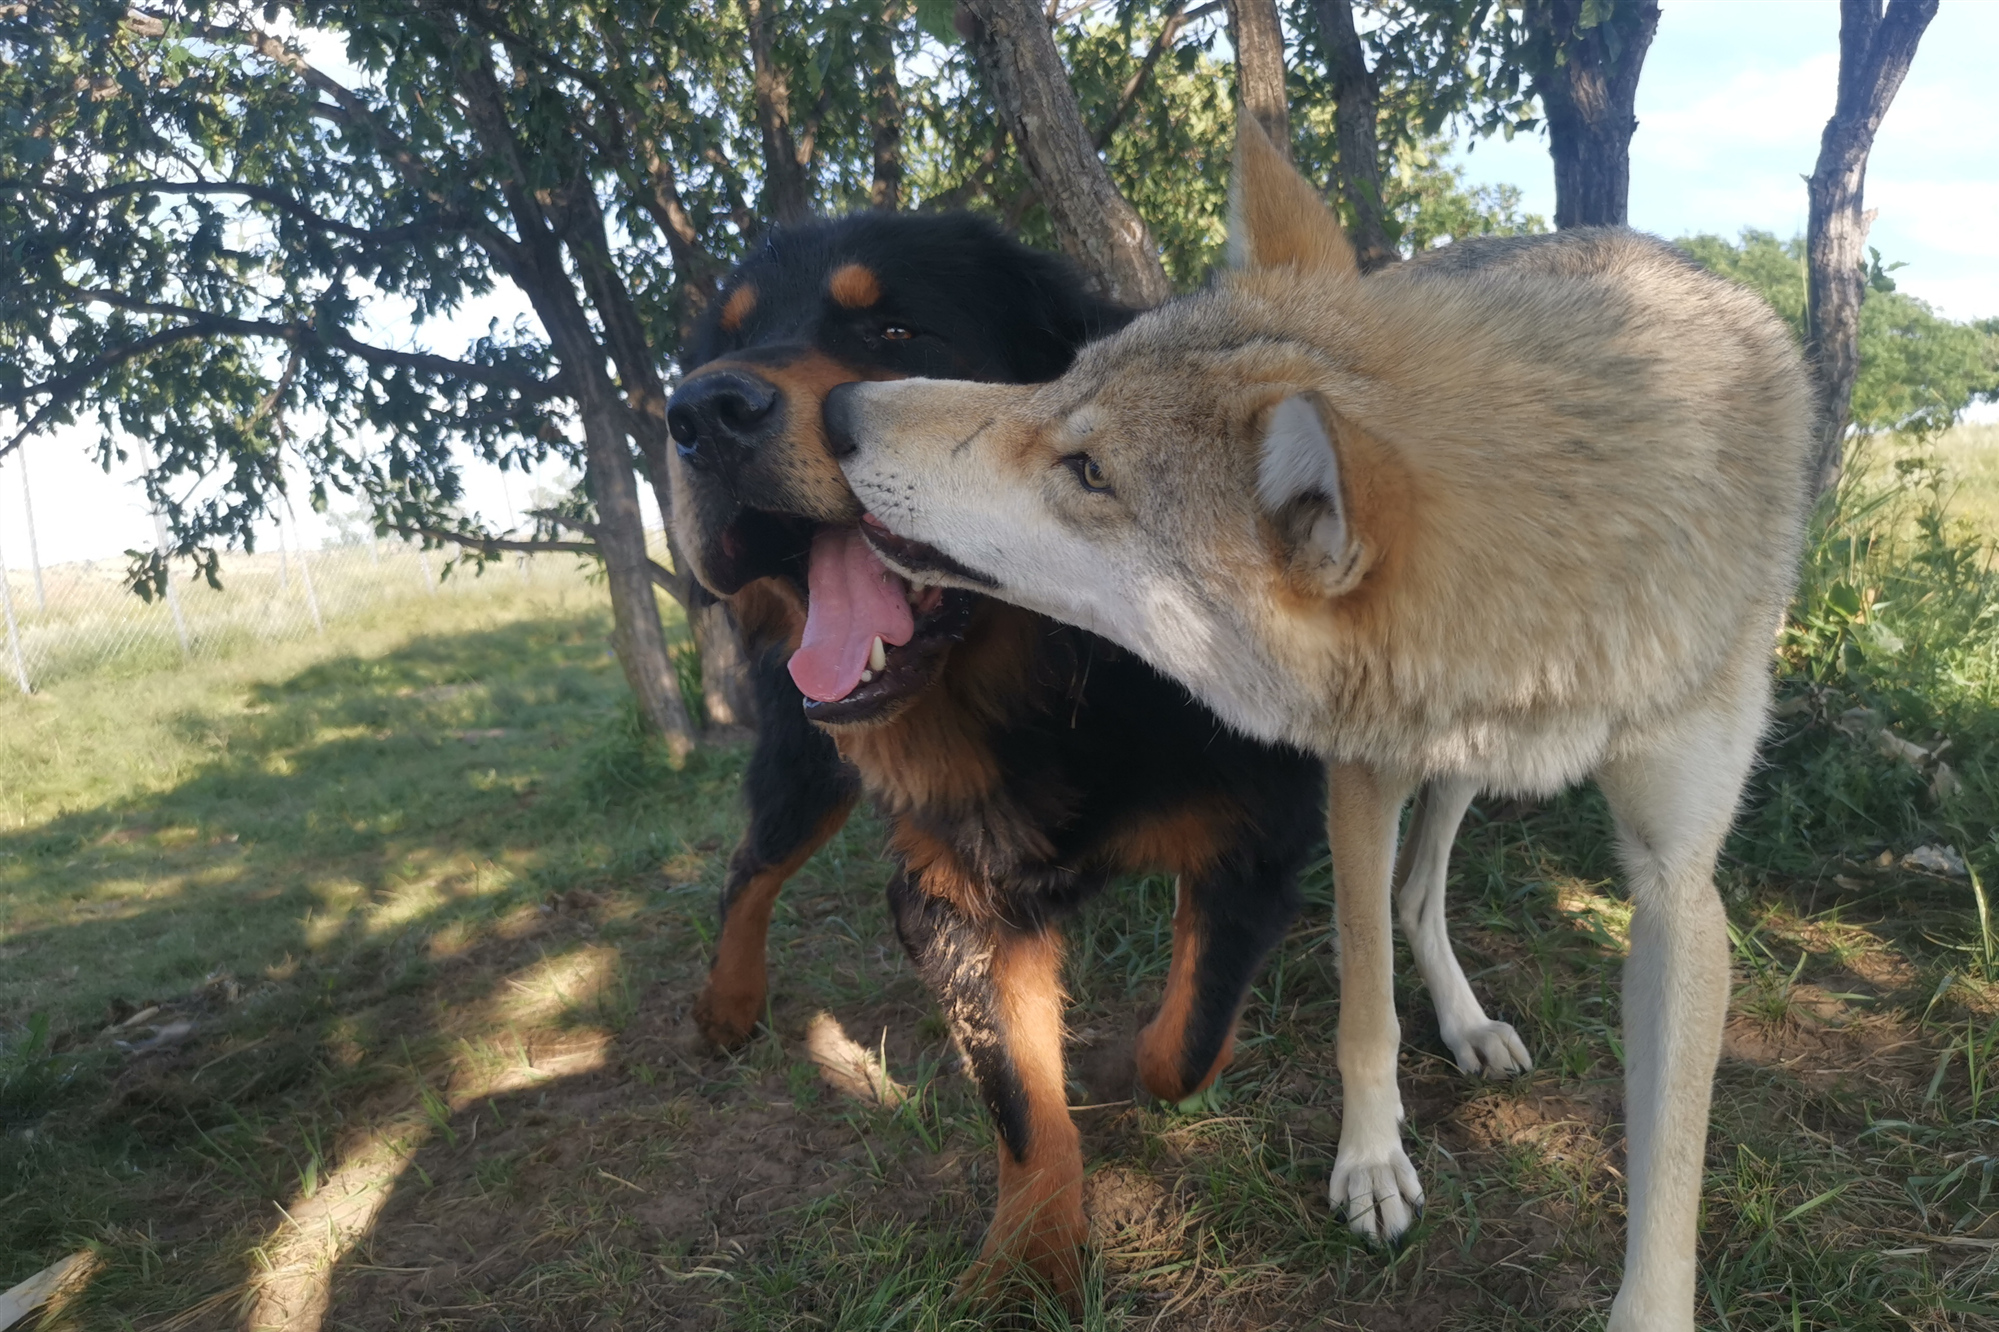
(372, 1012)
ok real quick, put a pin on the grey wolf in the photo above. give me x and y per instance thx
(1523, 512)
(1020, 763)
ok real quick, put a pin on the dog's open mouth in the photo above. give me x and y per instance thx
(870, 638)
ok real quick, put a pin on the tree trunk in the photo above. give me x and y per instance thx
(636, 634)
(1357, 97)
(543, 219)
(727, 695)
(1584, 57)
(1097, 227)
(1258, 38)
(1875, 50)
(787, 192)
(885, 113)
(725, 667)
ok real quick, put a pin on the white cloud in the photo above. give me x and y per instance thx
(1758, 111)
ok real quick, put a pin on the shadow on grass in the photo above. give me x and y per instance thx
(463, 909)
(345, 902)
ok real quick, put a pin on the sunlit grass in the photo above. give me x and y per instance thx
(435, 913)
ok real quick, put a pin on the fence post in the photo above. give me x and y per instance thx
(304, 571)
(513, 523)
(34, 546)
(13, 630)
(429, 578)
(162, 546)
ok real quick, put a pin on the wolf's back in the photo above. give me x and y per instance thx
(1609, 451)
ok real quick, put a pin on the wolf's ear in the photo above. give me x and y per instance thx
(1298, 485)
(1276, 218)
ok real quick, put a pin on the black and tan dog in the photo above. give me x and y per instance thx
(1020, 763)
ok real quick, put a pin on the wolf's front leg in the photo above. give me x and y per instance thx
(1000, 989)
(1481, 1045)
(1373, 1180)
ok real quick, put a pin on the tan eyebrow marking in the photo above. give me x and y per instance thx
(738, 307)
(855, 286)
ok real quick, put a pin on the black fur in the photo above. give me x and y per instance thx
(982, 306)
(1098, 757)
(950, 955)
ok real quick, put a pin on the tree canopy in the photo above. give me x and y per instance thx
(1918, 370)
(242, 232)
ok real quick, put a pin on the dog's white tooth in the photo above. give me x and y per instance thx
(867, 676)
(877, 656)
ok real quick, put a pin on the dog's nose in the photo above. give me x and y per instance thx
(841, 422)
(720, 413)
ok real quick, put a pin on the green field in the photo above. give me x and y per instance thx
(419, 917)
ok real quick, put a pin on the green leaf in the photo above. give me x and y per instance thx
(938, 19)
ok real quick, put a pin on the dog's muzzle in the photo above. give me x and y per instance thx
(718, 419)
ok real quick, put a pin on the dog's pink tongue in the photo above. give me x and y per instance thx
(854, 597)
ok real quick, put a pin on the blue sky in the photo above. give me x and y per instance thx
(1732, 102)
(1730, 108)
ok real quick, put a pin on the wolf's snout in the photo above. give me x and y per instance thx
(714, 416)
(842, 420)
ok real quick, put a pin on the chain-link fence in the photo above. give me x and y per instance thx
(79, 618)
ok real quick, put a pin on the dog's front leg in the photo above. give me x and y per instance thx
(1001, 991)
(1373, 1179)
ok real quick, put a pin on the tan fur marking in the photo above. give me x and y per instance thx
(1163, 1042)
(935, 754)
(855, 286)
(1183, 842)
(811, 484)
(771, 613)
(733, 999)
(741, 304)
(1038, 1223)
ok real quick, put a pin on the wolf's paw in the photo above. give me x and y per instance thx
(1378, 1191)
(1490, 1049)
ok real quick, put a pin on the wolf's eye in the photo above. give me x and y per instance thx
(897, 333)
(1090, 472)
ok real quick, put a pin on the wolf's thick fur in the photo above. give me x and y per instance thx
(1514, 514)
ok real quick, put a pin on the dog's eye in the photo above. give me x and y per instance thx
(1090, 472)
(897, 333)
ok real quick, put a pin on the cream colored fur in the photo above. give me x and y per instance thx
(1570, 477)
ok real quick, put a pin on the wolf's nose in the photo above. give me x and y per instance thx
(841, 422)
(720, 413)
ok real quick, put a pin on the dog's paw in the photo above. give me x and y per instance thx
(1489, 1049)
(1378, 1192)
(727, 1019)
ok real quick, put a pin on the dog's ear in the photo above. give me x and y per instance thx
(1298, 486)
(1276, 218)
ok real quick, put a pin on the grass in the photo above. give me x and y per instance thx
(419, 916)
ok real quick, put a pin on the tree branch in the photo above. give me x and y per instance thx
(259, 193)
(406, 162)
(661, 576)
(1176, 19)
